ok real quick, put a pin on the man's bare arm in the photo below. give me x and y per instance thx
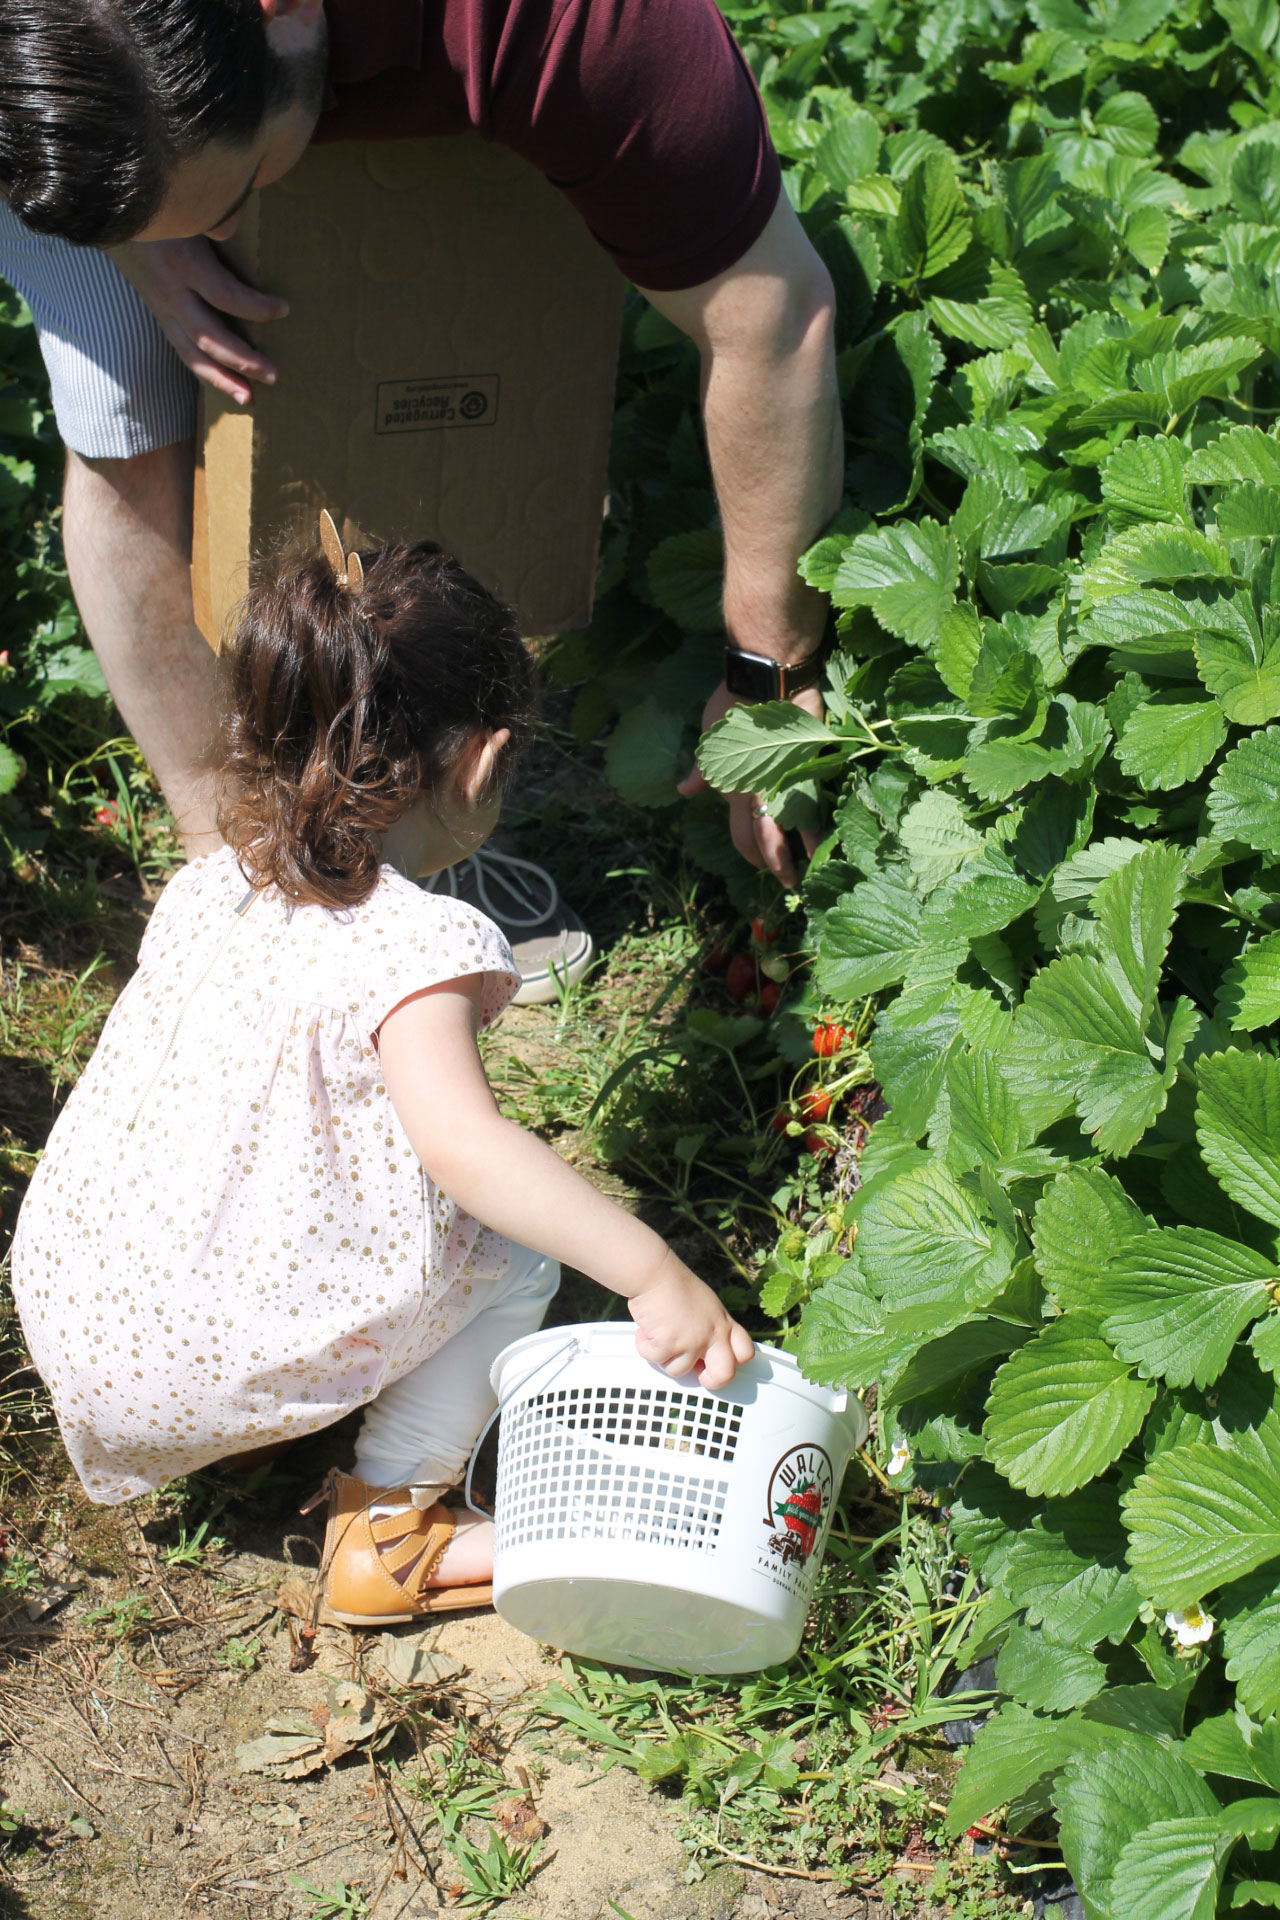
(765, 330)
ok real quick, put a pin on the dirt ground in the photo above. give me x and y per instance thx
(123, 1758)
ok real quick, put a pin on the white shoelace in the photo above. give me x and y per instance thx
(531, 906)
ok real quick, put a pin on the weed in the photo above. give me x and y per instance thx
(190, 1551)
(241, 1656)
(344, 1903)
(121, 1619)
(19, 1572)
(494, 1872)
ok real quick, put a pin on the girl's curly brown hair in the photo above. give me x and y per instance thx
(343, 705)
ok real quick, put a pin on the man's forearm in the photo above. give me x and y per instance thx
(774, 436)
(771, 407)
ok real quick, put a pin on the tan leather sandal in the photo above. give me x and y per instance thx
(357, 1582)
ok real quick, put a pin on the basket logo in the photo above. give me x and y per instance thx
(801, 1487)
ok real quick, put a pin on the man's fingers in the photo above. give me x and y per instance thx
(221, 343)
(775, 854)
(214, 280)
(692, 783)
(209, 370)
(743, 1345)
(742, 828)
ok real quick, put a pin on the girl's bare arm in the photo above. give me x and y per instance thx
(517, 1185)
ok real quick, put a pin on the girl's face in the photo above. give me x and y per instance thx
(448, 825)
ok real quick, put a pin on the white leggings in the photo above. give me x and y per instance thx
(420, 1430)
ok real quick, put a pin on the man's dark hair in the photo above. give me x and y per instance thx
(99, 98)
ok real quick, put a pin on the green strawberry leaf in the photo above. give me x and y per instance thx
(1084, 1219)
(1105, 1798)
(1168, 741)
(1238, 1126)
(1243, 670)
(928, 1247)
(1144, 480)
(1067, 1569)
(1043, 1675)
(1250, 1613)
(1250, 994)
(1243, 453)
(1175, 1302)
(932, 226)
(869, 937)
(906, 574)
(1242, 799)
(1172, 1870)
(845, 1340)
(755, 748)
(686, 579)
(1201, 1515)
(1063, 1408)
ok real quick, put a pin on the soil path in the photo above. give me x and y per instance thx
(129, 1770)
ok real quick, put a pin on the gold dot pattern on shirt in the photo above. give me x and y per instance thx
(261, 1252)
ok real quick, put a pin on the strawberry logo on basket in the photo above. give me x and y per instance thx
(801, 1488)
(801, 1513)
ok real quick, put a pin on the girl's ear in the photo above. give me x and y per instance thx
(480, 764)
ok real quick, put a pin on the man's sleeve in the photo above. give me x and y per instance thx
(645, 114)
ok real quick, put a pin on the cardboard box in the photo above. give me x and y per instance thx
(446, 372)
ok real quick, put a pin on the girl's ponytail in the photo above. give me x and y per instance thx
(346, 699)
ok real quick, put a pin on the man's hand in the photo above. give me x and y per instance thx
(757, 838)
(190, 292)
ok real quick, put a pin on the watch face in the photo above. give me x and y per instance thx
(750, 677)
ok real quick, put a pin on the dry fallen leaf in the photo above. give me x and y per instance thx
(520, 1820)
(354, 1717)
(408, 1663)
(290, 1749)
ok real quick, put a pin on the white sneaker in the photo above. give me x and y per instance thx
(552, 948)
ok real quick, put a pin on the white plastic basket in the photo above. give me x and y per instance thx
(655, 1523)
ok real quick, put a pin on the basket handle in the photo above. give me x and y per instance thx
(568, 1349)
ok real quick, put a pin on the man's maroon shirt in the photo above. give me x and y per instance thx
(643, 112)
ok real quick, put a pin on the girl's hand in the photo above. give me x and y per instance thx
(682, 1325)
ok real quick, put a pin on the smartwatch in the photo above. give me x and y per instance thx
(754, 676)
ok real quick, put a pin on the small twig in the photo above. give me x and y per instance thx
(155, 1571)
(761, 1866)
(233, 1864)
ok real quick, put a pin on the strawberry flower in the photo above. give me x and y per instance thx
(898, 1459)
(1190, 1625)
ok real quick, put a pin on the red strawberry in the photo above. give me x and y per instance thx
(815, 1104)
(763, 934)
(741, 976)
(817, 1142)
(769, 994)
(827, 1039)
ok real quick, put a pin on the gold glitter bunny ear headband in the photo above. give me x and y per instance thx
(347, 570)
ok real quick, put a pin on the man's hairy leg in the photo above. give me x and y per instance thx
(127, 532)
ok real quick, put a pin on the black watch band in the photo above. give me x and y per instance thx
(754, 676)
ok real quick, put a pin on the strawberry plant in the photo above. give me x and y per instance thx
(1050, 775)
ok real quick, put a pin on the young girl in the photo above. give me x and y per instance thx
(282, 1188)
